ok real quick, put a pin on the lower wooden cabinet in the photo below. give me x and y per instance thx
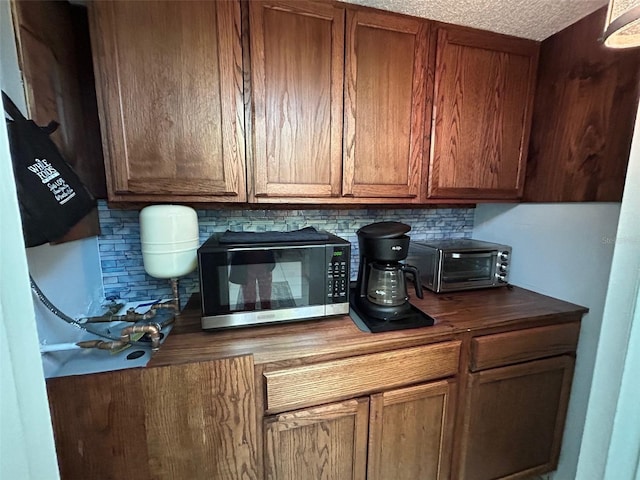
(514, 418)
(194, 421)
(329, 442)
(395, 435)
(410, 432)
(487, 404)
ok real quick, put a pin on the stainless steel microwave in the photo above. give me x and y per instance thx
(460, 264)
(269, 277)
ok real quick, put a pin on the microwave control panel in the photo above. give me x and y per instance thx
(338, 257)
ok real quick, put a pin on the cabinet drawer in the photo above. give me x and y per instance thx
(514, 347)
(349, 377)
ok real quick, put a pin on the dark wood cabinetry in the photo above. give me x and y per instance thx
(338, 110)
(195, 421)
(482, 394)
(297, 62)
(338, 101)
(514, 419)
(483, 98)
(169, 83)
(516, 402)
(585, 108)
(411, 432)
(344, 104)
(386, 100)
(328, 441)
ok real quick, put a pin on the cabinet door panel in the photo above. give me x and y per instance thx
(411, 432)
(169, 81)
(585, 108)
(327, 442)
(384, 105)
(514, 418)
(297, 71)
(482, 114)
(193, 421)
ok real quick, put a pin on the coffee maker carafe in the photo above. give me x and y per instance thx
(381, 290)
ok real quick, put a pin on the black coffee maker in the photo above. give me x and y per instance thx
(381, 291)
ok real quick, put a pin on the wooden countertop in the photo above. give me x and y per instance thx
(478, 311)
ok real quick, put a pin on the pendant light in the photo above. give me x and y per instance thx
(622, 28)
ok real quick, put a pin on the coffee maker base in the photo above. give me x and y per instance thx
(414, 318)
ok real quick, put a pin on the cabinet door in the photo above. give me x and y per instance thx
(484, 87)
(514, 419)
(411, 432)
(385, 102)
(584, 116)
(169, 83)
(194, 421)
(54, 63)
(328, 442)
(297, 58)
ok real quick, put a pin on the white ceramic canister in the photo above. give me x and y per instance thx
(169, 239)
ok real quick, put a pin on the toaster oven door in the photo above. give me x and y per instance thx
(467, 270)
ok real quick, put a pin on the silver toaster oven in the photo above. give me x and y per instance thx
(460, 264)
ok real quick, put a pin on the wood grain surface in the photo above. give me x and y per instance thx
(585, 107)
(350, 377)
(489, 310)
(329, 442)
(385, 99)
(514, 418)
(297, 65)
(484, 87)
(194, 421)
(169, 83)
(410, 432)
(523, 345)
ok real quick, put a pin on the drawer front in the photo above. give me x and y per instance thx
(523, 345)
(349, 377)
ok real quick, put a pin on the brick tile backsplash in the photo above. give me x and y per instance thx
(123, 272)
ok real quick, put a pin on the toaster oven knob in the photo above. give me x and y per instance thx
(503, 268)
(502, 279)
(504, 256)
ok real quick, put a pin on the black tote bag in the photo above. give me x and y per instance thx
(51, 196)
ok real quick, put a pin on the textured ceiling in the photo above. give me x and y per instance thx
(534, 19)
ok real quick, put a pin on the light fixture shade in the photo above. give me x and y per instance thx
(622, 29)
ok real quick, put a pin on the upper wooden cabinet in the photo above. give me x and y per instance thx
(385, 101)
(483, 99)
(585, 108)
(55, 62)
(338, 111)
(297, 58)
(169, 84)
(336, 103)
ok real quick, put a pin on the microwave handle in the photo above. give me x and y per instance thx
(416, 279)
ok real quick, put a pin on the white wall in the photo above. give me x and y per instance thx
(564, 251)
(611, 445)
(26, 439)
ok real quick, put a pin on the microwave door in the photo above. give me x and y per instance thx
(274, 279)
